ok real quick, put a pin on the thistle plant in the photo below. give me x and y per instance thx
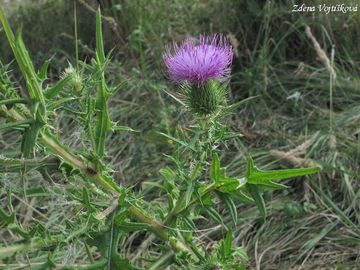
(199, 69)
(192, 186)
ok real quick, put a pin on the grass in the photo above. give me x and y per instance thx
(313, 225)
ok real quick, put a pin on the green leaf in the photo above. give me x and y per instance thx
(5, 219)
(54, 105)
(272, 185)
(103, 122)
(214, 214)
(226, 198)
(53, 91)
(215, 168)
(256, 176)
(227, 243)
(42, 74)
(121, 128)
(86, 201)
(107, 243)
(258, 198)
(178, 141)
(99, 38)
(128, 227)
(9, 221)
(189, 192)
(30, 138)
(49, 264)
(222, 182)
(14, 101)
(243, 197)
(189, 222)
(168, 174)
(27, 68)
(16, 125)
(14, 165)
(233, 107)
(120, 217)
(228, 185)
(240, 251)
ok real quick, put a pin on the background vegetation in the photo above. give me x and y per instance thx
(299, 116)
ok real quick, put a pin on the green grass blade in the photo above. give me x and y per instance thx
(99, 39)
(16, 125)
(336, 209)
(14, 101)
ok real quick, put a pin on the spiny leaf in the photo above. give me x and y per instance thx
(272, 185)
(178, 141)
(99, 40)
(26, 65)
(14, 165)
(258, 198)
(53, 91)
(42, 74)
(215, 168)
(242, 196)
(103, 124)
(107, 243)
(222, 182)
(5, 219)
(256, 176)
(230, 205)
(128, 227)
(9, 221)
(86, 201)
(14, 101)
(233, 107)
(116, 127)
(54, 105)
(228, 185)
(30, 138)
(16, 125)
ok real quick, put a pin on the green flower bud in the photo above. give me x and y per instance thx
(205, 99)
(75, 83)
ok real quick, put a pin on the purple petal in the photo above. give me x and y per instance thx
(196, 63)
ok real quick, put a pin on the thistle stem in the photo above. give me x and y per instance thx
(159, 229)
(10, 250)
(162, 260)
(205, 125)
(49, 141)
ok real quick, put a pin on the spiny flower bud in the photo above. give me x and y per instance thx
(75, 81)
(201, 69)
(205, 99)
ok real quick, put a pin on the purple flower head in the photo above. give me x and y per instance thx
(197, 62)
